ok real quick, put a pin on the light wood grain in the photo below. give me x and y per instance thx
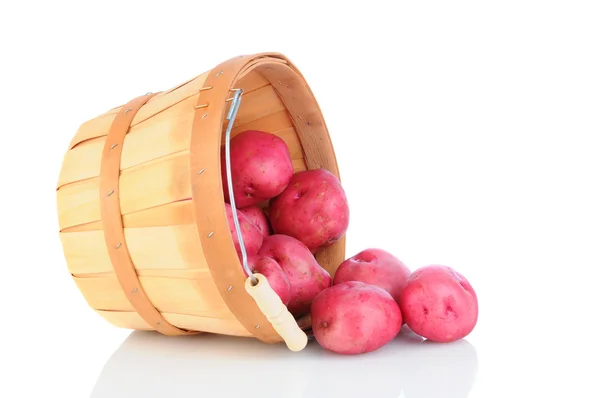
(168, 247)
(299, 165)
(251, 82)
(99, 126)
(153, 272)
(181, 296)
(272, 122)
(166, 133)
(258, 104)
(155, 183)
(169, 132)
(289, 136)
(131, 320)
(173, 213)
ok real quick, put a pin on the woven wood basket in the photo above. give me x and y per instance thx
(141, 206)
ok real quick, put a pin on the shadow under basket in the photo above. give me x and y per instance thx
(141, 206)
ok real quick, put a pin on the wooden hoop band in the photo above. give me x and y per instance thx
(205, 175)
(208, 199)
(110, 211)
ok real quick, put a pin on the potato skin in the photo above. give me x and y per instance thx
(261, 167)
(257, 217)
(277, 279)
(313, 208)
(439, 304)
(354, 318)
(253, 238)
(375, 267)
(306, 276)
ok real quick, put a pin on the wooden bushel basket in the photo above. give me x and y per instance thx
(141, 206)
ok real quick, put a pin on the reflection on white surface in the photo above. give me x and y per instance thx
(151, 365)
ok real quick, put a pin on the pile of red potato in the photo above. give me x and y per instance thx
(372, 294)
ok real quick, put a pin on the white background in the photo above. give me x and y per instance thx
(466, 133)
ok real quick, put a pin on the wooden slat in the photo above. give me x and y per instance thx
(93, 128)
(155, 273)
(155, 183)
(169, 247)
(272, 122)
(164, 134)
(252, 81)
(99, 126)
(289, 136)
(180, 296)
(292, 141)
(117, 109)
(131, 320)
(299, 165)
(173, 213)
(258, 104)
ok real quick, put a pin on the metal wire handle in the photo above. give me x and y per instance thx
(233, 108)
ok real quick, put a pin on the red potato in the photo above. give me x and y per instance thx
(257, 216)
(439, 304)
(313, 209)
(306, 276)
(277, 279)
(253, 238)
(261, 167)
(375, 267)
(355, 318)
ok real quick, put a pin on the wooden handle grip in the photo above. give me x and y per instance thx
(278, 315)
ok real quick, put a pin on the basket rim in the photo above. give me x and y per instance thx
(205, 173)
